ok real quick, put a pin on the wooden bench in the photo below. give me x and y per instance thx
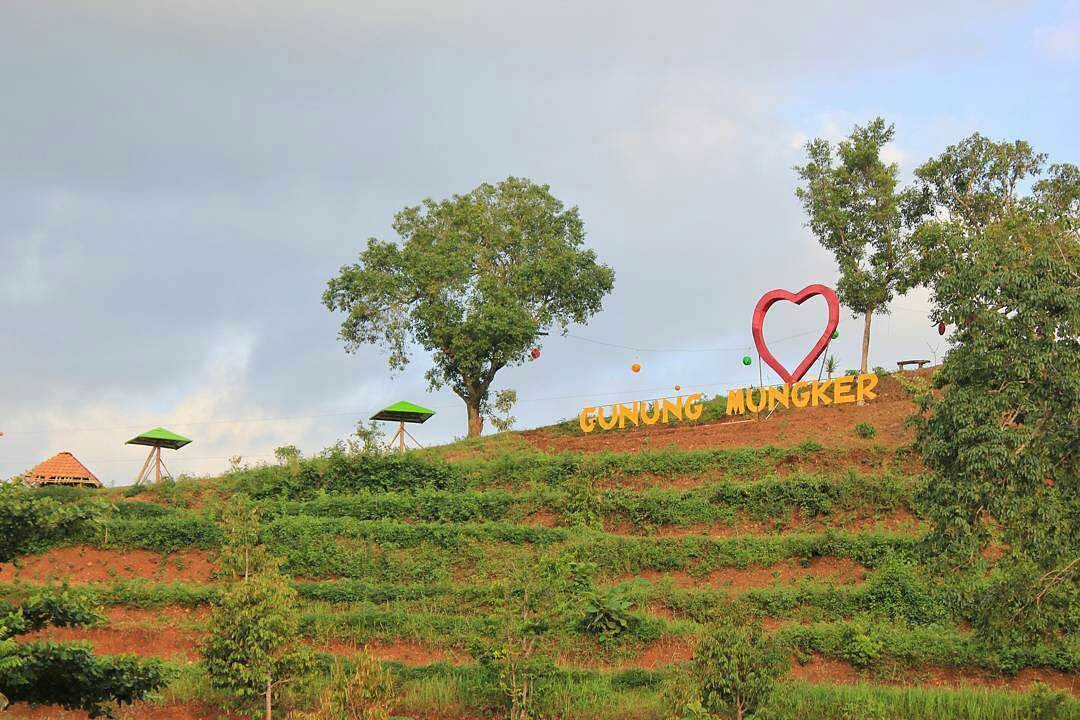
(901, 363)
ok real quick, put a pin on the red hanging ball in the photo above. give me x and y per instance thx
(941, 328)
(677, 388)
(535, 353)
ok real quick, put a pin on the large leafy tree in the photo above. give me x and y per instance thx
(857, 212)
(476, 281)
(999, 434)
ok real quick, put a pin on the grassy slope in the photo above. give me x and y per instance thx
(413, 560)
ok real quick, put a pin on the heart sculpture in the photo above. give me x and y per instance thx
(768, 299)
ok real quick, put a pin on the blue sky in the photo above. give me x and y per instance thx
(179, 180)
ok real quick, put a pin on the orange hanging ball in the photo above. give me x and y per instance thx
(636, 367)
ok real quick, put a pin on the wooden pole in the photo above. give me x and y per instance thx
(157, 464)
(401, 434)
(145, 468)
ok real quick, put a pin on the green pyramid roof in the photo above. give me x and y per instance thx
(160, 437)
(404, 411)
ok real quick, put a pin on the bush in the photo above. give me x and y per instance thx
(736, 668)
(365, 693)
(30, 522)
(859, 646)
(865, 430)
(606, 615)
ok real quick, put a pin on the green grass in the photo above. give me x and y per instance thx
(430, 548)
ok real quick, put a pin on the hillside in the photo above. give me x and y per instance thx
(797, 521)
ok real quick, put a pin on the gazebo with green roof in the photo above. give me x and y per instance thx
(156, 439)
(403, 412)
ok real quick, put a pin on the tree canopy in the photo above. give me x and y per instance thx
(999, 433)
(856, 212)
(476, 280)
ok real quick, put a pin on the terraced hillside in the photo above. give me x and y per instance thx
(423, 559)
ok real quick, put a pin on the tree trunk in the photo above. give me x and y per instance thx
(269, 701)
(865, 345)
(476, 420)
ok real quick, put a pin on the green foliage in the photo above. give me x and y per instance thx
(857, 213)
(736, 668)
(287, 454)
(476, 281)
(801, 701)
(830, 365)
(30, 521)
(899, 591)
(498, 411)
(859, 646)
(241, 552)
(364, 691)
(63, 674)
(865, 430)
(999, 433)
(70, 676)
(251, 644)
(606, 614)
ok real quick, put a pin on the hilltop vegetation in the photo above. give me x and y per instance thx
(588, 579)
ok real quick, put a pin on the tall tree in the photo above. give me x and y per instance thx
(999, 434)
(857, 213)
(476, 281)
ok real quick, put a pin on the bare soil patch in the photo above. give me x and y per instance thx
(84, 564)
(160, 642)
(664, 651)
(140, 711)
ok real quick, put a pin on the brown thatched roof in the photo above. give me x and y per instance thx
(61, 469)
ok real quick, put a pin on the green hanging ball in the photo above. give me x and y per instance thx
(746, 360)
(835, 334)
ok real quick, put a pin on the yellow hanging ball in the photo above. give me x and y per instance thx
(636, 367)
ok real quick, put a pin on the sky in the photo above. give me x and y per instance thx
(179, 180)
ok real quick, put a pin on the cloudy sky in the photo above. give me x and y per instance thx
(179, 179)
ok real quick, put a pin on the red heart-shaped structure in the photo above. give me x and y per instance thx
(768, 299)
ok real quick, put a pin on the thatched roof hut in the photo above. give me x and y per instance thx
(61, 469)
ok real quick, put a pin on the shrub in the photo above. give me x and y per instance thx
(65, 674)
(252, 636)
(364, 693)
(859, 647)
(606, 615)
(865, 430)
(736, 668)
(29, 522)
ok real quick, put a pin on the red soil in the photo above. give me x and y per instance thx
(833, 426)
(161, 642)
(141, 711)
(82, 564)
(834, 570)
(664, 652)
